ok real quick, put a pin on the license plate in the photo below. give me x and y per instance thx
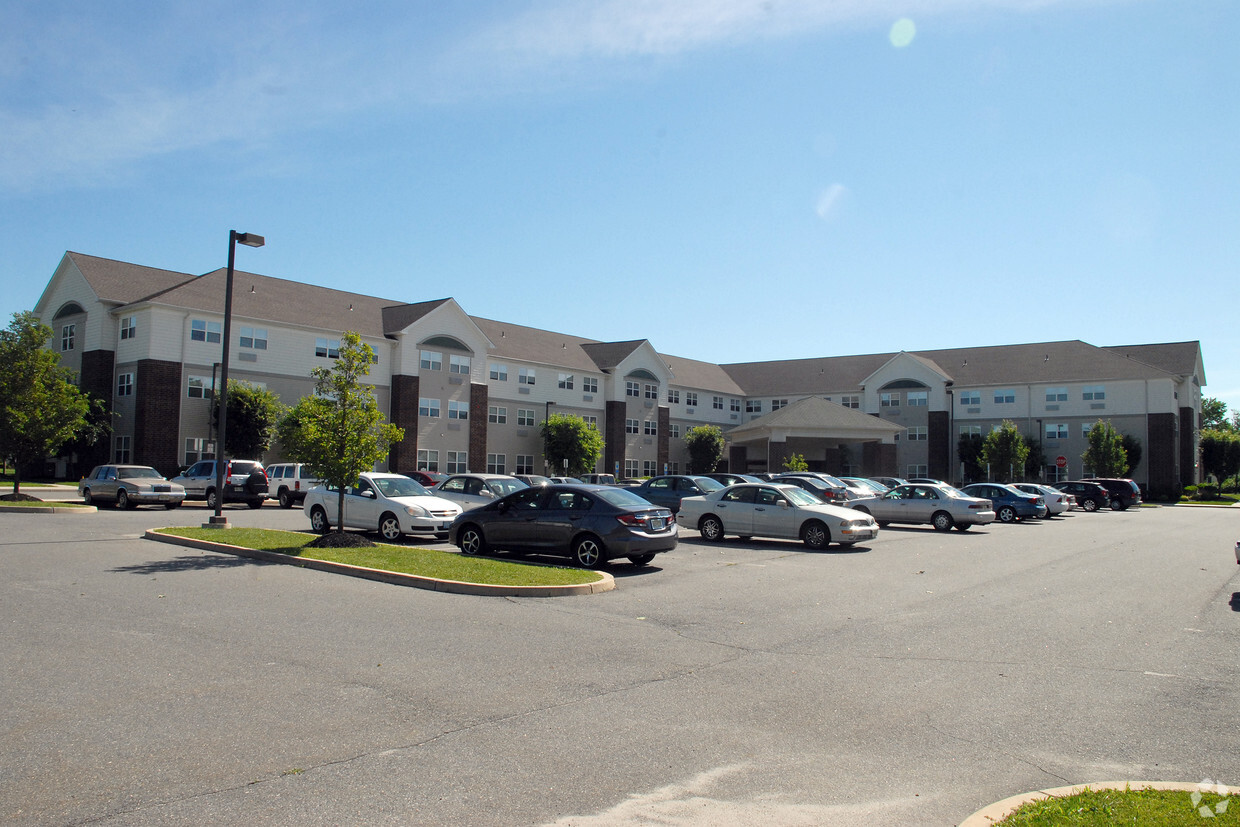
(657, 523)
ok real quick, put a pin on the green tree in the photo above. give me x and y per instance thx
(1105, 456)
(705, 445)
(1214, 415)
(969, 450)
(568, 437)
(796, 462)
(1035, 460)
(1132, 451)
(41, 409)
(340, 431)
(1220, 453)
(1004, 450)
(253, 414)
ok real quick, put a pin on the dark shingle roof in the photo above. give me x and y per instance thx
(122, 283)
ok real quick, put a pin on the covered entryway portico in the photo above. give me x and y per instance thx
(832, 438)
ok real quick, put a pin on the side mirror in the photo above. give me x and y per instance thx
(486, 492)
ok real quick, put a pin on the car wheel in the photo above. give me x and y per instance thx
(389, 527)
(286, 499)
(1117, 504)
(588, 551)
(1007, 514)
(884, 523)
(471, 540)
(711, 528)
(86, 498)
(255, 503)
(1089, 505)
(123, 501)
(963, 526)
(815, 535)
(942, 521)
(641, 559)
(256, 482)
(170, 506)
(318, 520)
(211, 498)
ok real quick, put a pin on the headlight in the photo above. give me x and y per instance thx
(416, 511)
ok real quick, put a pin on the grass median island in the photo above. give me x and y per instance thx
(441, 565)
(1144, 807)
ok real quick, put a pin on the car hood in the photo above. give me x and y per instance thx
(430, 503)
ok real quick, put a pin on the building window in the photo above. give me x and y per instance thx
(525, 464)
(889, 400)
(1086, 427)
(525, 376)
(460, 365)
(129, 328)
(673, 396)
(734, 405)
(254, 338)
(691, 399)
(651, 427)
(497, 415)
(674, 468)
(199, 387)
(673, 430)
(917, 399)
(1056, 394)
(458, 410)
(1005, 397)
(630, 468)
(1056, 430)
(1056, 474)
(203, 331)
(776, 404)
(428, 460)
(632, 426)
(970, 430)
(851, 401)
(525, 417)
(499, 372)
(970, 397)
(753, 406)
(915, 471)
(122, 454)
(428, 407)
(592, 421)
(564, 381)
(716, 402)
(652, 391)
(917, 433)
(327, 348)
(632, 389)
(430, 360)
(1095, 393)
(495, 464)
(124, 384)
(649, 468)
(458, 462)
(589, 384)
(197, 448)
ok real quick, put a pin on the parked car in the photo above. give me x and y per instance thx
(391, 504)
(876, 487)
(890, 482)
(825, 491)
(669, 490)
(472, 490)
(129, 486)
(245, 481)
(938, 505)
(731, 479)
(589, 523)
(564, 480)
(428, 479)
(1057, 502)
(290, 481)
(533, 479)
(1090, 496)
(599, 479)
(1122, 493)
(775, 510)
(1010, 503)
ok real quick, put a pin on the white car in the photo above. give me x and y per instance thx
(391, 504)
(774, 510)
(472, 490)
(1057, 502)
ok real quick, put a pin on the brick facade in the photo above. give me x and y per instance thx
(98, 368)
(1162, 458)
(614, 436)
(479, 395)
(157, 415)
(938, 433)
(403, 457)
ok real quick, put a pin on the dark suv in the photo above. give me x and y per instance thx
(1089, 494)
(1122, 493)
(244, 481)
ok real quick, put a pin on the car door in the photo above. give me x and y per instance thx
(105, 485)
(922, 504)
(736, 510)
(513, 523)
(772, 514)
(661, 491)
(362, 506)
(563, 516)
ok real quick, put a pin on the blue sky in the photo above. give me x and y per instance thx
(759, 179)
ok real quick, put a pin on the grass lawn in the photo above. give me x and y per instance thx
(1146, 808)
(441, 565)
(40, 504)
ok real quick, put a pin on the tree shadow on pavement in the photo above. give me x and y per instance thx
(204, 562)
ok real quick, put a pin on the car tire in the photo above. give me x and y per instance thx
(471, 541)
(1117, 504)
(256, 482)
(1089, 504)
(255, 503)
(211, 498)
(640, 559)
(711, 528)
(389, 527)
(963, 526)
(171, 506)
(286, 499)
(1007, 514)
(86, 497)
(318, 520)
(123, 501)
(942, 521)
(588, 551)
(816, 535)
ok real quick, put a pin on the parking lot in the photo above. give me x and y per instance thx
(908, 681)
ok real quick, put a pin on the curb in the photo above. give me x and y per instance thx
(605, 583)
(48, 509)
(1001, 809)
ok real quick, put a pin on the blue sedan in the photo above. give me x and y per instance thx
(1010, 504)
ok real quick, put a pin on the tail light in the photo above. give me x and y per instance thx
(642, 520)
(979, 506)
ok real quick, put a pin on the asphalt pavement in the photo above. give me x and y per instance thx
(912, 681)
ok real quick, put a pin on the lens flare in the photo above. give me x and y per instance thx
(902, 32)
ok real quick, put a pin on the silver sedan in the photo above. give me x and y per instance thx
(129, 486)
(941, 506)
(774, 510)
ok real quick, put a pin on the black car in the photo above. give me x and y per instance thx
(589, 523)
(1089, 495)
(1122, 493)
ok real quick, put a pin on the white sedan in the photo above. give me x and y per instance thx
(391, 504)
(774, 510)
(1057, 502)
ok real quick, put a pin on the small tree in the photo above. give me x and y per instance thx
(1004, 450)
(41, 409)
(1105, 456)
(340, 431)
(1220, 453)
(253, 414)
(969, 449)
(568, 437)
(1214, 415)
(796, 462)
(705, 445)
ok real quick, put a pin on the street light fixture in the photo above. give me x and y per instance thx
(218, 520)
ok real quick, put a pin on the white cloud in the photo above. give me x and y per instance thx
(829, 201)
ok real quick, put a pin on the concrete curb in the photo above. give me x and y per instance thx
(1001, 809)
(48, 509)
(605, 582)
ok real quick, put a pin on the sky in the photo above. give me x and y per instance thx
(757, 179)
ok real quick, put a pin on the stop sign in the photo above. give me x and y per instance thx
(1061, 462)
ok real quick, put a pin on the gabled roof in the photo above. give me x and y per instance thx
(529, 344)
(397, 317)
(691, 373)
(817, 414)
(607, 355)
(118, 282)
(1180, 358)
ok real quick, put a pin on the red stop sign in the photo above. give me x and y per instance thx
(1061, 462)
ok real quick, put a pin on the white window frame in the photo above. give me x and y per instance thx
(971, 398)
(889, 399)
(917, 399)
(129, 328)
(916, 433)
(1057, 394)
(524, 464)
(325, 348)
(1094, 393)
(527, 376)
(496, 463)
(852, 401)
(428, 407)
(200, 383)
(1060, 430)
(254, 338)
(122, 450)
(458, 409)
(527, 417)
(650, 427)
(1005, 396)
(633, 389)
(673, 396)
(459, 365)
(124, 384)
(632, 426)
(497, 415)
(564, 381)
(428, 459)
(691, 399)
(201, 330)
(589, 384)
(499, 372)
(430, 360)
(458, 462)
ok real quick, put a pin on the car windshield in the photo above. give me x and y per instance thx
(400, 487)
(956, 493)
(140, 474)
(621, 497)
(708, 485)
(504, 487)
(535, 479)
(799, 496)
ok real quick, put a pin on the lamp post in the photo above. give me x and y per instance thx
(218, 520)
